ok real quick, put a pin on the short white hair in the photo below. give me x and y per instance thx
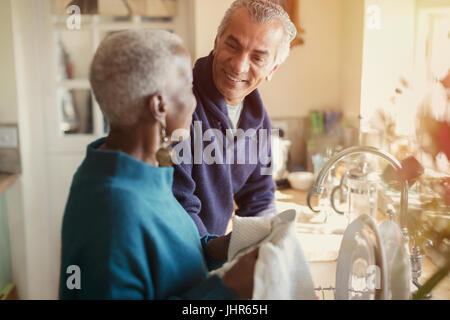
(128, 68)
(264, 11)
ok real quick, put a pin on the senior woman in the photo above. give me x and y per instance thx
(124, 234)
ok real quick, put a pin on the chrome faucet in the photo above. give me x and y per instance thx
(318, 188)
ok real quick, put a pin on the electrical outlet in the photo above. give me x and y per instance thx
(8, 137)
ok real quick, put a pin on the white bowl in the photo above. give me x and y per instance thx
(301, 180)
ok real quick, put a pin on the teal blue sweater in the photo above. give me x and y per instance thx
(130, 237)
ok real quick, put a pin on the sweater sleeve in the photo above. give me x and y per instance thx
(184, 185)
(126, 285)
(125, 282)
(211, 262)
(212, 288)
(256, 197)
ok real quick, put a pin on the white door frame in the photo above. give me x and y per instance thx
(27, 30)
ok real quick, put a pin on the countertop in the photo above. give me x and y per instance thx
(440, 292)
(6, 180)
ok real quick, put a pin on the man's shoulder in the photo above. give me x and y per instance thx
(255, 111)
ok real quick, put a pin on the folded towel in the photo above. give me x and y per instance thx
(281, 271)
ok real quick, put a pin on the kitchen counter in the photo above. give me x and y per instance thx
(440, 292)
(6, 180)
(295, 196)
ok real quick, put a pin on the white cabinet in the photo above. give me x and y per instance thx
(5, 249)
(71, 117)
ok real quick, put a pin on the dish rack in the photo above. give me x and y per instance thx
(320, 293)
(329, 293)
(324, 264)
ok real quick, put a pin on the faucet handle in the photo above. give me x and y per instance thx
(313, 191)
(317, 190)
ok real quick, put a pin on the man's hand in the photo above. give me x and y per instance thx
(218, 248)
(240, 277)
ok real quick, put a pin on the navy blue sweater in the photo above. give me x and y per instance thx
(206, 190)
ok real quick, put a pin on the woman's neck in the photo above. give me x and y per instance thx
(140, 142)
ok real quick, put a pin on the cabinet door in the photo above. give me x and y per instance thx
(5, 249)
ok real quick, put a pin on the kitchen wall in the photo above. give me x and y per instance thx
(310, 77)
(207, 17)
(432, 3)
(388, 52)
(351, 62)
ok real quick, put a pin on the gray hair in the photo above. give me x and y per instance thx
(128, 68)
(264, 11)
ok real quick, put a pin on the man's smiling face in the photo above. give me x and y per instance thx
(244, 55)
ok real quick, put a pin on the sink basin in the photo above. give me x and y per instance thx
(321, 251)
(310, 222)
(320, 243)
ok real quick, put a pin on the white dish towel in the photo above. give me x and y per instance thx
(282, 270)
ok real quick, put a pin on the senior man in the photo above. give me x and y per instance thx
(253, 39)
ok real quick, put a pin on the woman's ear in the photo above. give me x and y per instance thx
(158, 108)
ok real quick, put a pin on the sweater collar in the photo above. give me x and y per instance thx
(253, 111)
(119, 165)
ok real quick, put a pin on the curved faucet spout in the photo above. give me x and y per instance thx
(317, 188)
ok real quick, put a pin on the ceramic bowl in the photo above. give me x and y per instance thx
(301, 180)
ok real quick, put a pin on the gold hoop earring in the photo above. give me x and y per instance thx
(164, 154)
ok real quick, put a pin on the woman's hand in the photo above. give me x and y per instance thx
(240, 277)
(218, 248)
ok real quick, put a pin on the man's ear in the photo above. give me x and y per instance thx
(269, 76)
(215, 45)
(158, 108)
